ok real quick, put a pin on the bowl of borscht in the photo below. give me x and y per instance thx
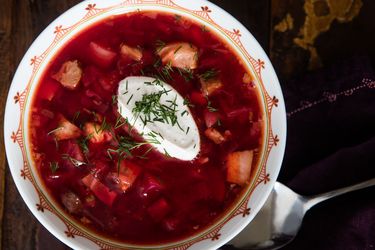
(145, 124)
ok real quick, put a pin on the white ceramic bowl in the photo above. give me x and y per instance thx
(82, 15)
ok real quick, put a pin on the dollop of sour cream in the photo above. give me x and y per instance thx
(159, 113)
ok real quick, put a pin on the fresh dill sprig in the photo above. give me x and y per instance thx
(114, 99)
(186, 73)
(209, 74)
(165, 72)
(187, 103)
(120, 121)
(54, 130)
(159, 44)
(103, 126)
(177, 49)
(83, 143)
(150, 108)
(209, 106)
(76, 116)
(54, 166)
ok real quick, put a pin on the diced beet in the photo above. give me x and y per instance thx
(71, 148)
(198, 98)
(211, 118)
(148, 57)
(47, 113)
(71, 202)
(49, 90)
(150, 187)
(109, 81)
(240, 115)
(101, 56)
(100, 190)
(171, 224)
(199, 191)
(91, 75)
(159, 209)
(125, 178)
(101, 169)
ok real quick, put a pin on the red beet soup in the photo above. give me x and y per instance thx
(102, 171)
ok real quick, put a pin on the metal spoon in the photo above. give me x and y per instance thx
(278, 222)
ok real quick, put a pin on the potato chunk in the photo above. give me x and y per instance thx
(180, 55)
(133, 53)
(239, 166)
(69, 74)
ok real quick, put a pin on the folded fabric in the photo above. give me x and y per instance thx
(331, 144)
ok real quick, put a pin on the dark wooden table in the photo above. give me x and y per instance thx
(286, 29)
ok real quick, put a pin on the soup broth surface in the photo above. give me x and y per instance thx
(108, 175)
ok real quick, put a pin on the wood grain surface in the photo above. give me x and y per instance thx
(22, 20)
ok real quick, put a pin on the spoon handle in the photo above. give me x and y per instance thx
(312, 201)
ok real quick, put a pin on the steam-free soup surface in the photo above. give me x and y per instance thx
(108, 175)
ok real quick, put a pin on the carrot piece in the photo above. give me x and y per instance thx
(100, 190)
(239, 166)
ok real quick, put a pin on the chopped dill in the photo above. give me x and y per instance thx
(83, 143)
(103, 126)
(165, 72)
(150, 108)
(166, 153)
(186, 73)
(76, 116)
(209, 74)
(187, 130)
(218, 122)
(204, 28)
(159, 45)
(177, 18)
(157, 63)
(54, 166)
(187, 103)
(54, 130)
(184, 112)
(209, 106)
(129, 99)
(114, 99)
(178, 48)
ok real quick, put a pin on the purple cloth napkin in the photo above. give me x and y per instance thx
(331, 144)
